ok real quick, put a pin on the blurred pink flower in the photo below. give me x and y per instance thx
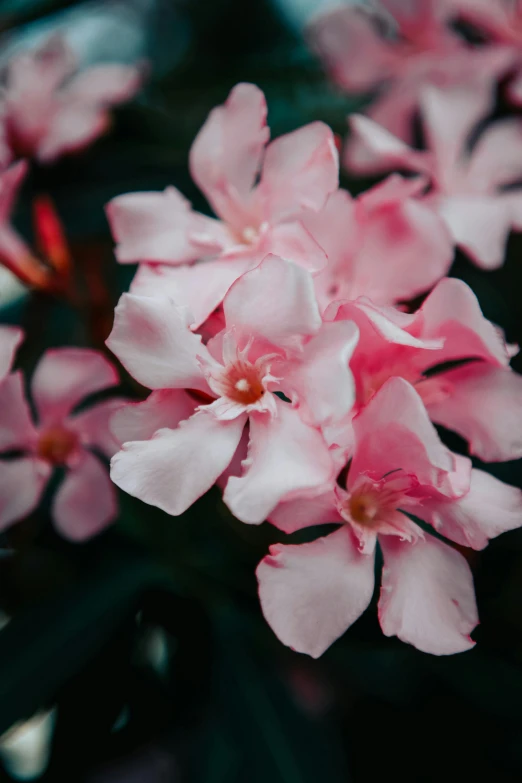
(457, 360)
(468, 187)
(48, 109)
(86, 500)
(386, 244)
(273, 341)
(400, 46)
(311, 593)
(258, 192)
(10, 339)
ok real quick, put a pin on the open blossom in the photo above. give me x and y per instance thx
(400, 46)
(467, 188)
(456, 359)
(185, 435)
(10, 339)
(85, 502)
(386, 244)
(258, 192)
(48, 109)
(311, 593)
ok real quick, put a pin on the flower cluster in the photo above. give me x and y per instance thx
(301, 345)
(282, 368)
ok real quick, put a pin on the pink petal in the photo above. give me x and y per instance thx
(86, 501)
(286, 457)
(276, 301)
(378, 150)
(22, 482)
(152, 340)
(10, 339)
(406, 250)
(153, 227)
(10, 182)
(293, 242)
(347, 41)
(292, 515)
(72, 128)
(92, 425)
(452, 312)
(427, 597)
(487, 510)
(227, 152)
(65, 376)
(300, 171)
(480, 225)
(394, 432)
(17, 430)
(311, 594)
(175, 467)
(320, 380)
(485, 407)
(200, 287)
(496, 159)
(450, 115)
(140, 420)
(105, 84)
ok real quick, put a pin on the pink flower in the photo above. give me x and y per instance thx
(386, 244)
(273, 341)
(10, 339)
(401, 46)
(468, 188)
(311, 593)
(455, 358)
(229, 156)
(85, 502)
(48, 109)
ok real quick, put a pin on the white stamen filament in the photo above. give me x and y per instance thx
(242, 385)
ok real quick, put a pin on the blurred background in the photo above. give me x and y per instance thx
(142, 656)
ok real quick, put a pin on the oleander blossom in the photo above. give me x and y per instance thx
(258, 191)
(395, 48)
(48, 108)
(311, 593)
(468, 188)
(61, 437)
(457, 360)
(274, 366)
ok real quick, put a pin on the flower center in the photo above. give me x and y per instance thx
(363, 508)
(249, 235)
(243, 383)
(56, 444)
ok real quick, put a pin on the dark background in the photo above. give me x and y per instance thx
(229, 703)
